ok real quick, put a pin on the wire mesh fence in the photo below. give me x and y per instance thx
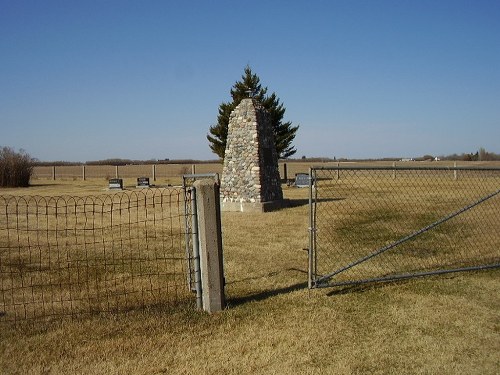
(370, 224)
(192, 241)
(67, 256)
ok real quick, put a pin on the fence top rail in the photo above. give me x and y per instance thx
(110, 197)
(402, 168)
(200, 175)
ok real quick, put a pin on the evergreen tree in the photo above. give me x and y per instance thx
(284, 132)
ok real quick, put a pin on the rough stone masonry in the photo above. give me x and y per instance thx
(250, 176)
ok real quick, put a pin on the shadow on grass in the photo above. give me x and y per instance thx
(375, 285)
(261, 296)
(270, 274)
(305, 202)
(361, 288)
(265, 294)
(44, 185)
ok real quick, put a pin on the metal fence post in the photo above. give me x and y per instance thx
(309, 253)
(189, 202)
(196, 250)
(312, 232)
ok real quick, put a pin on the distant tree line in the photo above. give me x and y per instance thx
(121, 162)
(9, 157)
(480, 155)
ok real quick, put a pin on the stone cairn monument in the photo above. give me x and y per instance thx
(250, 176)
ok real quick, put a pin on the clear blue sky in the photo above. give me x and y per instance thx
(87, 80)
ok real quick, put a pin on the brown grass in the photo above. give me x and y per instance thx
(274, 325)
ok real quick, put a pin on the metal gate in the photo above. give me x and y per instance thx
(385, 223)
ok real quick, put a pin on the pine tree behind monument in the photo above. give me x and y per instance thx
(284, 132)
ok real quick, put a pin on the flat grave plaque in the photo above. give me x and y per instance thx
(116, 183)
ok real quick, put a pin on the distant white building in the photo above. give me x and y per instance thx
(407, 159)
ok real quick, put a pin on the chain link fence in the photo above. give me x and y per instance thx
(371, 224)
(67, 256)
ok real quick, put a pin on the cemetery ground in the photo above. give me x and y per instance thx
(444, 324)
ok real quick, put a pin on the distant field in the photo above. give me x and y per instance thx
(163, 171)
(172, 172)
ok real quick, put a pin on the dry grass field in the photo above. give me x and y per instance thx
(447, 324)
(171, 173)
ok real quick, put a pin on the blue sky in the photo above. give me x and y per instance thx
(89, 80)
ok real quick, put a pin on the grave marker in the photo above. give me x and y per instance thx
(301, 180)
(142, 182)
(116, 183)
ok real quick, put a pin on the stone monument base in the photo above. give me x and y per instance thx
(254, 207)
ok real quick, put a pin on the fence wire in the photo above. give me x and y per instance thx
(188, 181)
(67, 256)
(370, 224)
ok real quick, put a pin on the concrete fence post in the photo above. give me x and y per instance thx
(210, 242)
(154, 172)
(83, 173)
(116, 172)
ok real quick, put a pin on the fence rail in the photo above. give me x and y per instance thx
(67, 256)
(382, 223)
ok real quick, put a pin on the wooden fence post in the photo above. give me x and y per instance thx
(210, 244)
